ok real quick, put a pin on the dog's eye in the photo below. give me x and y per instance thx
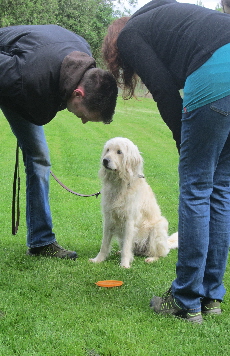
(119, 152)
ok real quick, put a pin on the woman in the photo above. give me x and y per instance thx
(173, 46)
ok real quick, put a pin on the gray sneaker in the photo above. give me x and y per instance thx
(210, 306)
(167, 305)
(52, 250)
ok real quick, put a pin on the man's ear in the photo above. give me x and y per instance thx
(79, 92)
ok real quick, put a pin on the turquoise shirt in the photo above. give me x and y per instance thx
(210, 82)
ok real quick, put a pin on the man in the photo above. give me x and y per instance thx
(45, 69)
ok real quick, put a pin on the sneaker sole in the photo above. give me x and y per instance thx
(72, 257)
(212, 312)
(195, 320)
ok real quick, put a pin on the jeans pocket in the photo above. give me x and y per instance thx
(222, 106)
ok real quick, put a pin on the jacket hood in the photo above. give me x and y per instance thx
(72, 71)
(152, 5)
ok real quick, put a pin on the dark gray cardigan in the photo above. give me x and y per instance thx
(164, 42)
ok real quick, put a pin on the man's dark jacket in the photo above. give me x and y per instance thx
(164, 42)
(40, 66)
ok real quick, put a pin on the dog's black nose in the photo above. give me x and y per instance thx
(105, 162)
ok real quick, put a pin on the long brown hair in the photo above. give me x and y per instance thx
(124, 75)
(227, 4)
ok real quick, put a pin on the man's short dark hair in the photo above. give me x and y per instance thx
(100, 93)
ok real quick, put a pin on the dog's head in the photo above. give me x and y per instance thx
(122, 158)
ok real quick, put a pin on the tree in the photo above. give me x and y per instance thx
(27, 12)
(88, 18)
(219, 7)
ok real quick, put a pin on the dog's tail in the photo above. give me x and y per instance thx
(173, 241)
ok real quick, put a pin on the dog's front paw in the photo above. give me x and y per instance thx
(99, 258)
(151, 259)
(125, 264)
(96, 259)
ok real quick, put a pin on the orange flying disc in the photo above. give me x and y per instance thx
(109, 283)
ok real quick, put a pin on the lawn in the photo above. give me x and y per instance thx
(53, 307)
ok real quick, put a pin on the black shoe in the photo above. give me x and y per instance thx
(210, 306)
(167, 305)
(52, 250)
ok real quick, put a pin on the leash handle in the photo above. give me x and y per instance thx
(71, 191)
(15, 198)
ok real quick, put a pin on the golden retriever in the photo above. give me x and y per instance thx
(129, 207)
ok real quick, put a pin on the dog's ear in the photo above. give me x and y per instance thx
(137, 161)
(132, 162)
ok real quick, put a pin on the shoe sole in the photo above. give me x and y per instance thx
(74, 257)
(212, 312)
(195, 320)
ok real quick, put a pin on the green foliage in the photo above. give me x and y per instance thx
(88, 18)
(52, 307)
(219, 7)
(27, 12)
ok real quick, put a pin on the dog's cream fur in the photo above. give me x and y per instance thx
(130, 210)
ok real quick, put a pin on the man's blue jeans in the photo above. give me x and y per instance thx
(204, 205)
(32, 141)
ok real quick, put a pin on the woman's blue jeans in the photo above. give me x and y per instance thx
(204, 205)
(32, 141)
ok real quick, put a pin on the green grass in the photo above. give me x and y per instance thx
(53, 307)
